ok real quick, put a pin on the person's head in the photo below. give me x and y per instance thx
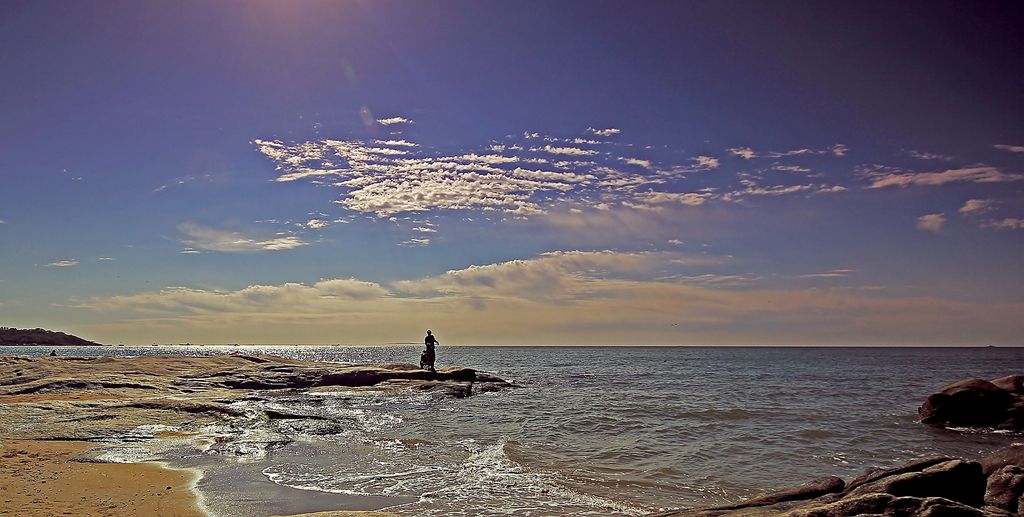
(428, 332)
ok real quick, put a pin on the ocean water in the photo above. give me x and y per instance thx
(603, 430)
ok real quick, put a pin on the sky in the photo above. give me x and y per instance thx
(514, 173)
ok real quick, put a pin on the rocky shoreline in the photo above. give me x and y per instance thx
(106, 419)
(92, 398)
(929, 487)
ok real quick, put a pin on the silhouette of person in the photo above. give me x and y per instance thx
(53, 353)
(428, 355)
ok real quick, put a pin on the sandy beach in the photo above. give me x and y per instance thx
(39, 477)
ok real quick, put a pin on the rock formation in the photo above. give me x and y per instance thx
(95, 398)
(14, 337)
(930, 487)
(977, 403)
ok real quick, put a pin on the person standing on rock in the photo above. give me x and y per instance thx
(428, 355)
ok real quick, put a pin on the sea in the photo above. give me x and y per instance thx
(590, 431)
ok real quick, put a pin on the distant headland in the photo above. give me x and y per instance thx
(15, 337)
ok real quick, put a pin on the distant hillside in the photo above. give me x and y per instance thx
(11, 337)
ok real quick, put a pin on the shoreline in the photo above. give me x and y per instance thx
(179, 436)
(43, 477)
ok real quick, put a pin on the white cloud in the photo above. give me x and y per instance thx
(393, 120)
(604, 132)
(636, 161)
(548, 277)
(654, 199)
(386, 178)
(706, 162)
(835, 273)
(976, 206)
(1009, 223)
(104, 259)
(790, 168)
(743, 152)
(63, 263)
(2, 221)
(296, 298)
(835, 150)
(560, 297)
(212, 239)
(424, 229)
(189, 251)
(675, 242)
(1011, 148)
(882, 177)
(931, 222)
(415, 242)
(921, 155)
(569, 151)
(396, 143)
(314, 224)
(753, 189)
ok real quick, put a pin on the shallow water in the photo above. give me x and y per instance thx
(606, 431)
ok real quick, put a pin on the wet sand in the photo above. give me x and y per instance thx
(39, 477)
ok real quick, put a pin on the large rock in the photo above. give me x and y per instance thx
(957, 480)
(1005, 487)
(930, 487)
(976, 403)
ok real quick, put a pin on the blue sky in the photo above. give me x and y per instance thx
(514, 173)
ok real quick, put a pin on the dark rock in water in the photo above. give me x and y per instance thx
(977, 403)
(1005, 487)
(1011, 383)
(932, 487)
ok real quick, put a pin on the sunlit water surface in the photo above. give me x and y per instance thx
(611, 431)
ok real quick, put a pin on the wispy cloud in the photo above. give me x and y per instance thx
(104, 259)
(706, 162)
(752, 188)
(314, 224)
(182, 180)
(931, 222)
(592, 297)
(882, 177)
(976, 206)
(1009, 223)
(415, 242)
(63, 263)
(570, 151)
(636, 161)
(835, 150)
(520, 177)
(396, 143)
(790, 168)
(743, 152)
(921, 155)
(604, 132)
(1011, 148)
(213, 239)
(393, 120)
(835, 273)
